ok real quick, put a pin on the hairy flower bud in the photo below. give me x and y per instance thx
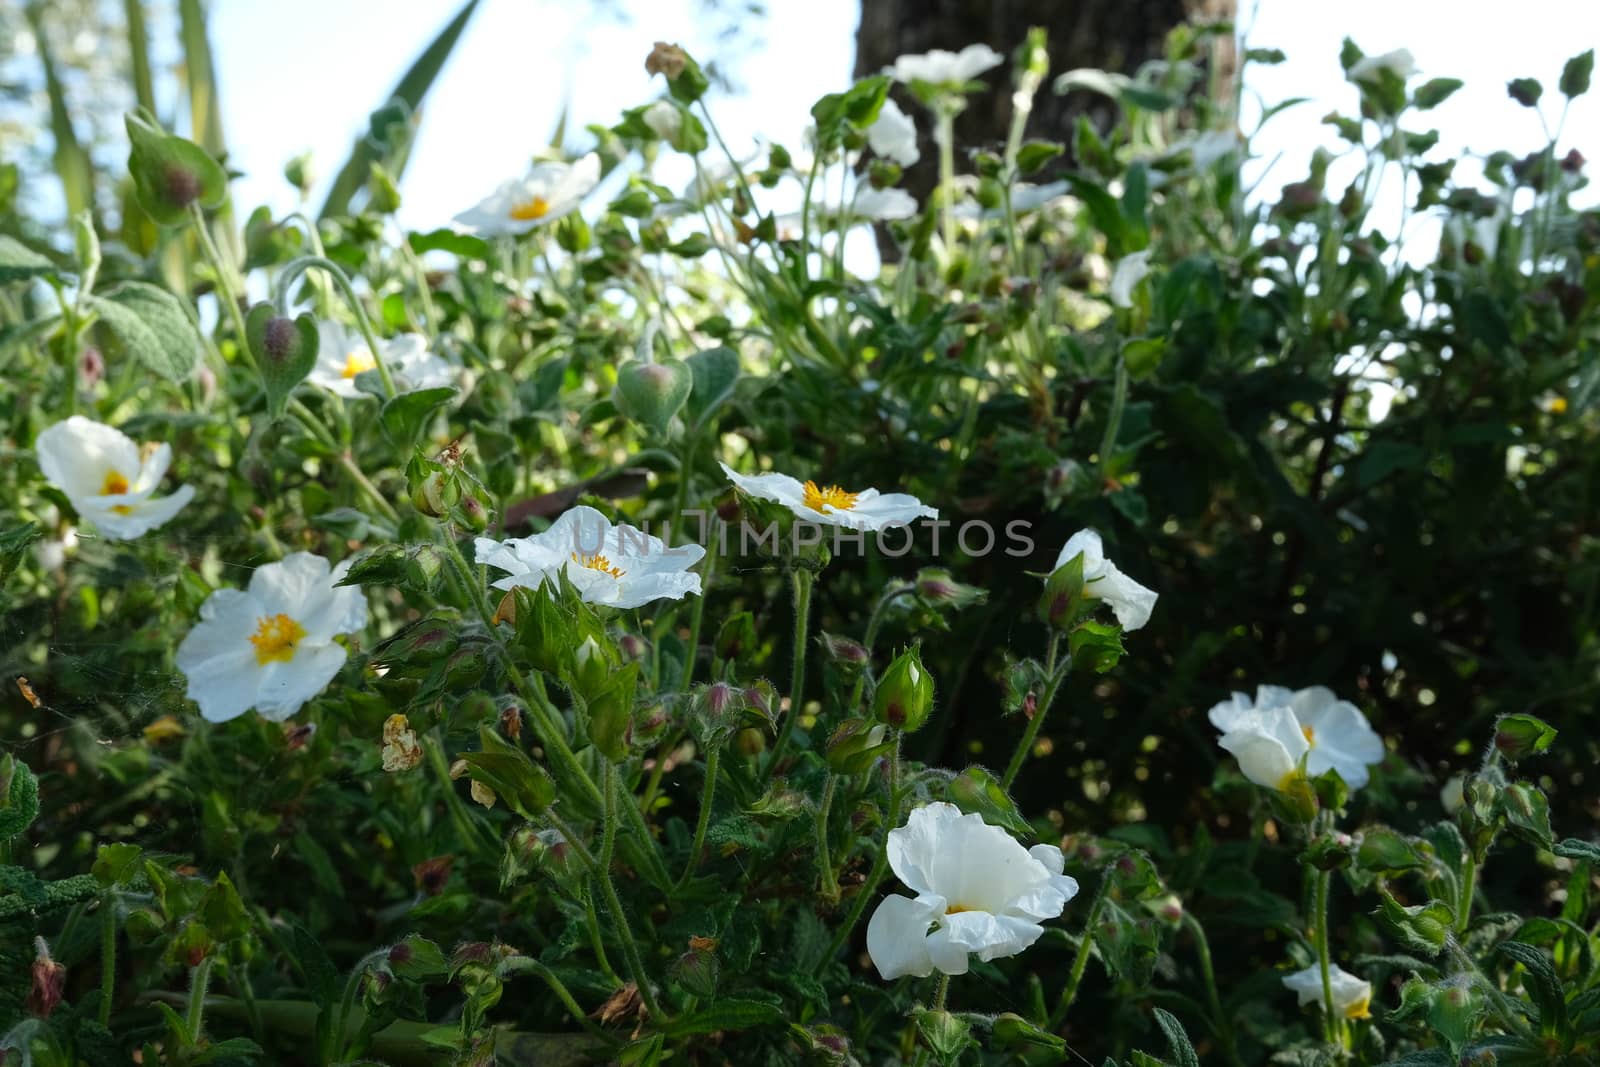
(904, 698)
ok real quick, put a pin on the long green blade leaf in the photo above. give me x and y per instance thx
(412, 88)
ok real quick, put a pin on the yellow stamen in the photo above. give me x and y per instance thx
(1361, 1009)
(275, 639)
(598, 563)
(1311, 735)
(957, 909)
(358, 361)
(530, 210)
(115, 484)
(832, 497)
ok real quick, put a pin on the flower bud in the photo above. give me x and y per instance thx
(698, 969)
(737, 637)
(1013, 1032)
(935, 586)
(474, 515)
(847, 655)
(652, 393)
(1517, 737)
(904, 698)
(435, 494)
(1455, 1011)
(300, 173)
(1062, 601)
(856, 745)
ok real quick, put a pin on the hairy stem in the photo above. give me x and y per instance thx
(1056, 674)
(630, 948)
(707, 795)
(797, 674)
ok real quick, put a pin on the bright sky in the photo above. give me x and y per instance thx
(304, 74)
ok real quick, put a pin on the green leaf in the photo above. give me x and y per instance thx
(715, 372)
(1575, 76)
(412, 88)
(1525, 91)
(526, 787)
(464, 245)
(321, 978)
(1527, 812)
(1385, 851)
(1033, 155)
(1543, 984)
(405, 417)
(150, 325)
(1574, 849)
(730, 1014)
(1096, 646)
(19, 262)
(976, 790)
(285, 350)
(19, 797)
(14, 544)
(117, 864)
(1430, 94)
(1143, 355)
(222, 911)
(1182, 1051)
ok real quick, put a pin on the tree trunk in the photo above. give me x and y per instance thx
(1117, 35)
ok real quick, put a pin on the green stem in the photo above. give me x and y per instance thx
(698, 612)
(528, 965)
(108, 956)
(945, 136)
(941, 992)
(466, 826)
(707, 795)
(200, 979)
(827, 884)
(1220, 1021)
(1080, 962)
(1320, 918)
(880, 865)
(630, 949)
(1055, 673)
(596, 941)
(1469, 886)
(797, 674)
(1119, 400)
(356, 475)
(225, 291)
(342, 282)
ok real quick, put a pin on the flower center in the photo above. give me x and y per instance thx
(598, 563)
(115, 484)
(1361, 1009)
(957, 909)
(358, 361)
(275, 638)
(529, 210)
(1311, 735)
(830, 498)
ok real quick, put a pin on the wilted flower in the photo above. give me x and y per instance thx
(1335, 733)
(48, 984)
(616, 565)
(940, 67)
(548, 192)
(1352, 997)
(401, 752)
(109, 482)
(978, 891)
(1126, 276)
(864, 510)
(342, 354)
(1131, 601)
(1367, 68)
(272, 647)
(894, 136)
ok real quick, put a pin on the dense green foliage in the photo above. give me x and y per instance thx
(650, 834)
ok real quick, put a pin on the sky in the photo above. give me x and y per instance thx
(304, 74)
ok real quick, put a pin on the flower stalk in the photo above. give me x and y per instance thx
(797, 676)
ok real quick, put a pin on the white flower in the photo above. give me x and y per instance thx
(1207, 149)
(616, 565)
(894, 136)
(1131, 601)
(1130, 271)
(109, 480)
(940, 67)
(548, 192)
(978, 891)
(664, 119)
(1268, 743)
(272, 647)
(1367, 68)
(1352, 997)
(883, 205)
(1453, 794)
(343, 353)
(831, 505)
(1335, 732)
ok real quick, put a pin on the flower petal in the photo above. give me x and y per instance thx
(285, 687)
(76, 454)
(897, 938)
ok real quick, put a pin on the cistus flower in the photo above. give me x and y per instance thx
(664, 119)
(1336, 735)
(1352, 996)
(548, 191)
(1131, 602)
(978, 891)
(343, 353)
(1369, 68)
(271, 647)
(894, 136)
(864, 510)
(941, 67)
(1269, 744)
(109, 480)
(619, 565)
(1126, 276)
